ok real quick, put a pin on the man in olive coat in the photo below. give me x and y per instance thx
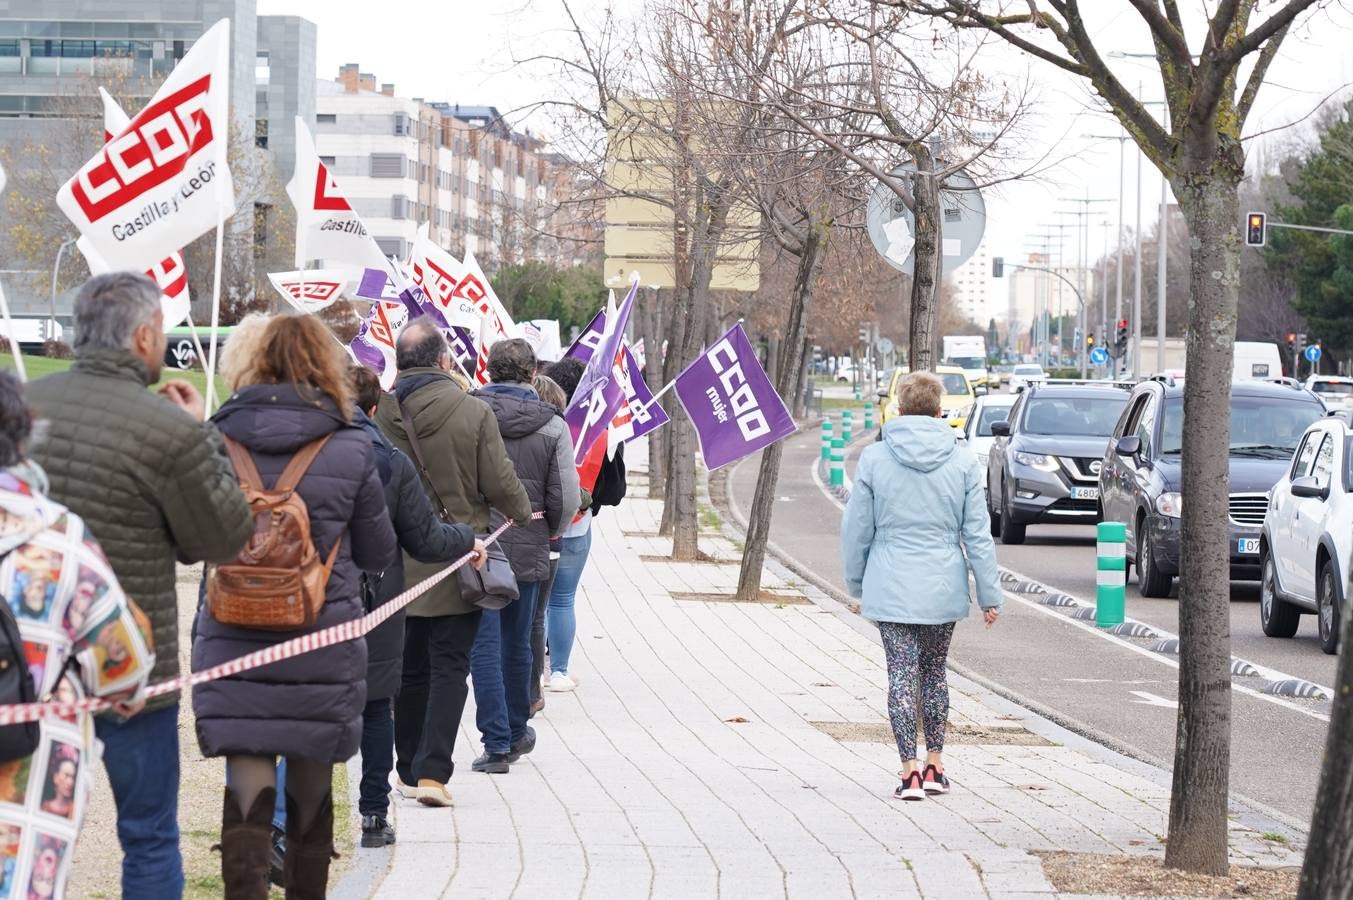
(153, 483)
(464, 466)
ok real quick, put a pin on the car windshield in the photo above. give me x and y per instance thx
(989, 415)
(1028, 370)
(1261, 427)
(1074, 416)
(954, 383)
(1333, 387)
(968, 362)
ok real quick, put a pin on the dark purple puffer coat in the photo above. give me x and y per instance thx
(309, 706)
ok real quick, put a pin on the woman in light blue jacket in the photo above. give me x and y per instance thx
(915, 526)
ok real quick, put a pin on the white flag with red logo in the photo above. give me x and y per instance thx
(459, 291)
(327, 228)
(310, 291)
(169, 273)
(488, 336)
(374, 345)
(163, 180)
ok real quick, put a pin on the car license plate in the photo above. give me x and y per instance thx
(1085, 493)
(1247, 546)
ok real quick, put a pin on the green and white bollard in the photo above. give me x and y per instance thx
(868, 416)
(1111, 574)
(857, 393)
(826, 439)
(838, 469)
(845, 425)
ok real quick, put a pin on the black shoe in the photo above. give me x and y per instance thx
(492, 763)
(376, 832)
(276, 871)
(523, 745)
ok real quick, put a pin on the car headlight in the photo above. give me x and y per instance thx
(1036, 461)
(1169, 504)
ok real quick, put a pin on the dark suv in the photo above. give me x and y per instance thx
(1139, 482)
(1044, 464)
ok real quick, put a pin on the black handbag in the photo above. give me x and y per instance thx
(16, 686)
(494, 586)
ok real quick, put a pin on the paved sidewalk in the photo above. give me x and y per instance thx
(700, 758)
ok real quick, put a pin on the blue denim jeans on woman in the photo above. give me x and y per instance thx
(500, 669)
(141, 756)
(560, 622)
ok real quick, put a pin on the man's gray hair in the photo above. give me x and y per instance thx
(512, 362)
(421, 345)
(109, 308)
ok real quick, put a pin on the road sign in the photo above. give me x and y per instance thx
(885, 345)
(892, 226)
(1099, 356)
(1312, 353)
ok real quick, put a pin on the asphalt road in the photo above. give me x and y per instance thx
(1091, 683)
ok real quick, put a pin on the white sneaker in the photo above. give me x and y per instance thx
(560, 682)
(407, 791)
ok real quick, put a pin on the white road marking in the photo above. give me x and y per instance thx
(1149, 699)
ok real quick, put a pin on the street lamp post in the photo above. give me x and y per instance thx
(56, 268)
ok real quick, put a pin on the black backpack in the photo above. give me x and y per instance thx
(16, 686)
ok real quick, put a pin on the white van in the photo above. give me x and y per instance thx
(1256, 360)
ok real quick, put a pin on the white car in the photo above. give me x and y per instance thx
(1025, 375)
(988, 409)
(1335, 390)
(1307, 541)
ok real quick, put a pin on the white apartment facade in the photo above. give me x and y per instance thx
(972, 287)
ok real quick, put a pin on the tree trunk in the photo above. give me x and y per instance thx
(789, 368)
(773, 360)
(925, 282)
(1198, 799)
(650, 325)
(1328, 869)
(676, 323)
(800, 408)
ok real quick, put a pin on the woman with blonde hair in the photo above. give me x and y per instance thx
(294, 393)
(915, 526)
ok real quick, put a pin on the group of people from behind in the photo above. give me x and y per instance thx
(127, 482)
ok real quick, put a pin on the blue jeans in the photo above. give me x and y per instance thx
(500, 668)
(279, 807)
(560, 622)
(141, 757)
(378, 757)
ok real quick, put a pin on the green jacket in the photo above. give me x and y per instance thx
(152, 484)
(464, 455)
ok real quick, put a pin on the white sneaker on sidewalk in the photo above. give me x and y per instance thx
(560, 682)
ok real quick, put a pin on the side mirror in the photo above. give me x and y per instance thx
(980, 391)
(1000, 429)
(1128, 445)
(882, 394)
(1307, 486)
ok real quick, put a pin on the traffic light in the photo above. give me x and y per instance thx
(1291, 341)
(997, 267)
(1122, 334)
(1090, 340)
(864, 334)
(1254, 229)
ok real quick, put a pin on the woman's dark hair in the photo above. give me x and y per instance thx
(366, 385)
(567, 373)
(16, 420)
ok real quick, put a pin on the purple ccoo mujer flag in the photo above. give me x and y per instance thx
(599, 394)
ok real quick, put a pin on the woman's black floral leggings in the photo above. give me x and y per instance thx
(916, 655)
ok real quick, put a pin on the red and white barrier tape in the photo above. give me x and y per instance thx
(18, 713)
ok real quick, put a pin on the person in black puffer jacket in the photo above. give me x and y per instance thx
(425, 539)
(541, 450)
(307, 708)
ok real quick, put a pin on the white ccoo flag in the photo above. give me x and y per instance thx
(327, 228)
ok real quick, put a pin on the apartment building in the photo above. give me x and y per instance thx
(478, 184)
(972, 287)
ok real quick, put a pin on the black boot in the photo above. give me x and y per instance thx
(309, 853)
(246, 842)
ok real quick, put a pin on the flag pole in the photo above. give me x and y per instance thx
(215, 314)
(197, 341)
(13, 338)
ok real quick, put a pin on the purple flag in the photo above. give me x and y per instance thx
(378, 284)
(588, 338)
(599, 394)
(731, 402)
(463, 347)
(640, 414)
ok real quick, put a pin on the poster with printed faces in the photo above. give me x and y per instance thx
(12, 836)
(50, 858)
(116, 654)
(36, 575)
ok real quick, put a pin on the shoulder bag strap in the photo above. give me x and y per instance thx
(411, 433)
(245, 470)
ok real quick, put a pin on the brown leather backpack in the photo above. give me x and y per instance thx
(277, 582)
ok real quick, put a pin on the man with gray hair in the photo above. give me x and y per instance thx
(154, 485)
(454, 442)
(541, 449)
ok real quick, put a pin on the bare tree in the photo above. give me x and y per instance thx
(1202, 155)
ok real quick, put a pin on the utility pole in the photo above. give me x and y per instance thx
(1083, 245)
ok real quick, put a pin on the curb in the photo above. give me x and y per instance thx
(1042, 720)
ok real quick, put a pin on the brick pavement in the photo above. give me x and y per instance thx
(688, 764)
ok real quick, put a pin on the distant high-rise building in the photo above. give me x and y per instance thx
(972, 287)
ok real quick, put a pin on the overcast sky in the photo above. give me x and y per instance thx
(463, 52)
